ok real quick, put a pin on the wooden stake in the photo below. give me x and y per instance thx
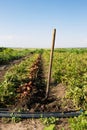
(50, 64)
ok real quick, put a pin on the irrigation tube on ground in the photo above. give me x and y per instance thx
(8, 114)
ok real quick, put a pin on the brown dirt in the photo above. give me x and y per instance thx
(62, 123)
(54, 103)
(29, 124)
(64, 103)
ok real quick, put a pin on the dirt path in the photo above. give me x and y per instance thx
(29, 124)
(59, 92)
(64, 104)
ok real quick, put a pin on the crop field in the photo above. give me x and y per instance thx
(23, 80)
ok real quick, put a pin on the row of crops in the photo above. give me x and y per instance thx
(14, 77)
(9, 54)
(69, 69)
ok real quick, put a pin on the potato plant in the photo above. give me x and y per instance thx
(70, 69)
(15, 76)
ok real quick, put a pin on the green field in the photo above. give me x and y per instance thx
(69, 69)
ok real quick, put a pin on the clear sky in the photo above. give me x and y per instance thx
(29, 23)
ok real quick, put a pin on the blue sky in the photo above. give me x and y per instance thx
(29, 23)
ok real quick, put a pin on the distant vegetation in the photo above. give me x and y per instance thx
(72, 50)
(8, 54)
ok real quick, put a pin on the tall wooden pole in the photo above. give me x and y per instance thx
(50, 64)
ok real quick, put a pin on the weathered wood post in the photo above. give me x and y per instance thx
(50, 64)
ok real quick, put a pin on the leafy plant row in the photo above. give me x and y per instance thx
(8, 54)
(72, 50)
(33, 90)
(71, 70)
(15, 76)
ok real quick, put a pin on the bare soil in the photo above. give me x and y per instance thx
(55, 103)
(29, 124)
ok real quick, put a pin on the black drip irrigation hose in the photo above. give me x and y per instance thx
(26, 115)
